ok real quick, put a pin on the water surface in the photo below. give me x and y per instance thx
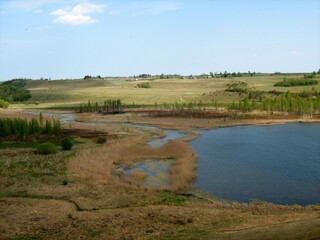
(279, 164)
(170, 135)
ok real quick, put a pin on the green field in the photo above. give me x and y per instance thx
(71, 92)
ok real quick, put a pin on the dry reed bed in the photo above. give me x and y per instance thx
(186, 124)
(97, 162)
(8, 113)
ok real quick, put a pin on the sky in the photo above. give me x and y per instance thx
(63, 39)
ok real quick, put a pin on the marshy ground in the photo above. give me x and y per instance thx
(78, 194)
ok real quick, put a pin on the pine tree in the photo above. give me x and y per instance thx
(41, 119)
(48, 127)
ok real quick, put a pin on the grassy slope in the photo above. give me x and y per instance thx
(161, 91)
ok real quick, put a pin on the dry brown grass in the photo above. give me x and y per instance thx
(186, 124)
(98, 162)
(9, 113)
(51, 219)
(136, 177)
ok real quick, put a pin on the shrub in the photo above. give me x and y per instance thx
(46, 148)
(291, 82)
(66, 143)
(101, 140)
(4, 104)
(240, 86)
(143, 85)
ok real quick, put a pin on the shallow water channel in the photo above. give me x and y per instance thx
(156, 171)
(278, 163)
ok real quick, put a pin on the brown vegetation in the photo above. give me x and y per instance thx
(99, 204)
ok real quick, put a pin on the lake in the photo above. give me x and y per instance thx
(278, 164)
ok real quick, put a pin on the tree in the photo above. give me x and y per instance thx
(4, 104)
(41, 119)
(14, 90)
(225, 74)
(48, 127)
(56, 128)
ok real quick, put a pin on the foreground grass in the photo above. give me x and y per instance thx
(21, 169)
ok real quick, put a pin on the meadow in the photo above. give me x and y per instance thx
(72, 92)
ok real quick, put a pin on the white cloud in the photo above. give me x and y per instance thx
(74, 19)
(78, 15)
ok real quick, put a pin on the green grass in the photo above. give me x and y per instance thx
(170, 198)
(68, 93)
(191, 233)
(46, 148)
(21, 169)
(18, 145)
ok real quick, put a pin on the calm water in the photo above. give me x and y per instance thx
(279, 164)
(170, 135)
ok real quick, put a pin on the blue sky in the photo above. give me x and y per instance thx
(73, 38)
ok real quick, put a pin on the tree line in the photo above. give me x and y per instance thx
(22, 127)
(109, 106)
(301, 104)
(14, 90)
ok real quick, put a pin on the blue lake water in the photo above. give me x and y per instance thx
(170, 135)
(278, 164)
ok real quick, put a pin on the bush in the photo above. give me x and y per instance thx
(143, 85)
(291, 82)
(46, 148)
(4, 104)
(66, 143)
(101, 140)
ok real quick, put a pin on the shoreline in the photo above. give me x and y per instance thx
(96, 203)
(183, 168)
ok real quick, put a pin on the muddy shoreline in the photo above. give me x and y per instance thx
(131, 143)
